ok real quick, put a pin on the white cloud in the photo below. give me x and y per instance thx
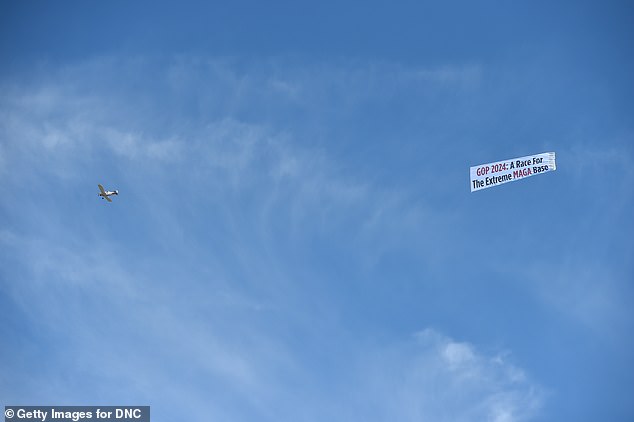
(437, 378)
(458, 355)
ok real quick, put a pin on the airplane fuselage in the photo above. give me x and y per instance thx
(105, 194)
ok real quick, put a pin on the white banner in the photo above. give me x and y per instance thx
(494, 174)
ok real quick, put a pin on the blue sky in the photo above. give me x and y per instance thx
(295, 238)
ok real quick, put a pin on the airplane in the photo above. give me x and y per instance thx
(106, 193)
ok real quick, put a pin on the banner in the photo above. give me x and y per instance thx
(494, 174)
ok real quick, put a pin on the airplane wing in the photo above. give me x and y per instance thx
(108, 199)
(103, 192)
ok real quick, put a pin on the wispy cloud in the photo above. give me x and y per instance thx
(588, 278)
(216, 258)
(206, 338)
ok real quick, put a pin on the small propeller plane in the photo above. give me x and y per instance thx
(106, 193)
